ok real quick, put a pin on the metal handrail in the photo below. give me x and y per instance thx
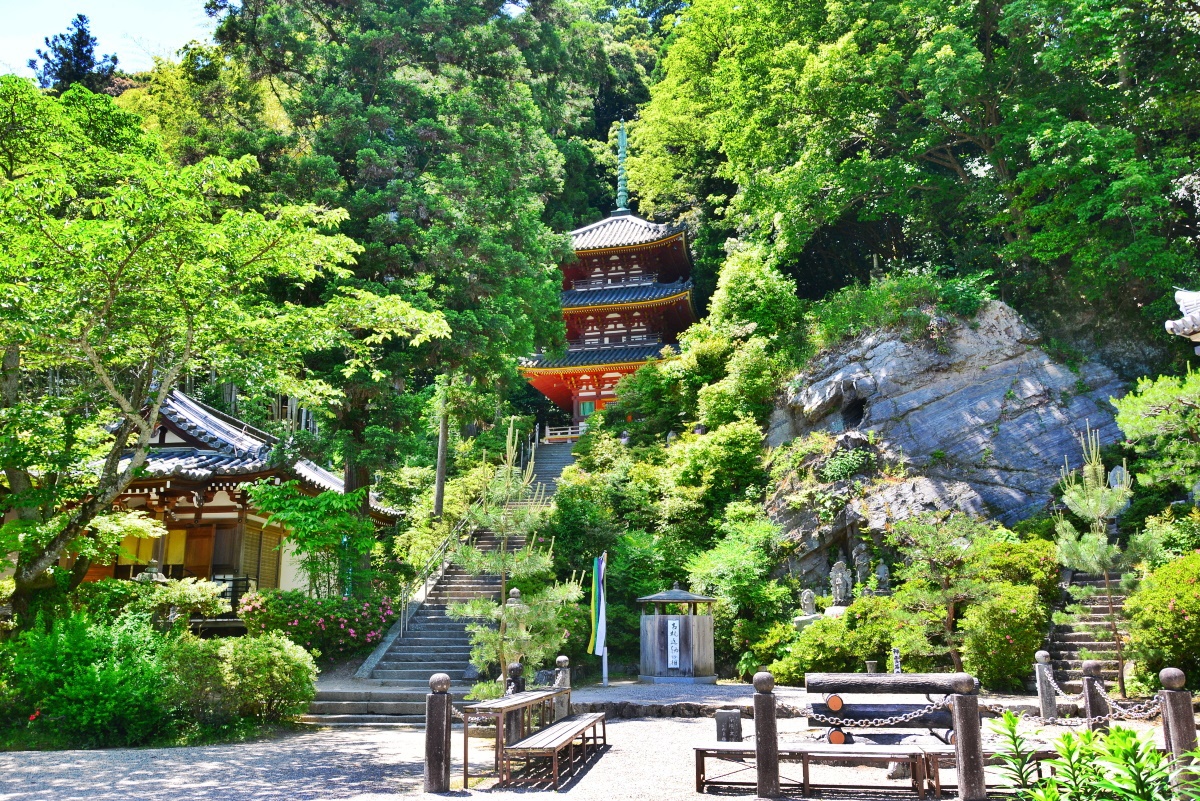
(434, 567)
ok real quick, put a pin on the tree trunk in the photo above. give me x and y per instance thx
(355, 477)
(1112, 624)
(439, 484)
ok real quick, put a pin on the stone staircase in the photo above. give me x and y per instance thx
(1087, 635)
(548, 464)
(432, 643)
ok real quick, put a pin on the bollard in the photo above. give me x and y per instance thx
(1179, 727)
(438, 719)
(562, 680)
(968, 747)
(1094, 705)
(766, 736)
(872, 666)
(1041, 672)
(729, 725)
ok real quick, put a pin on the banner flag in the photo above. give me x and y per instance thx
(599, 606)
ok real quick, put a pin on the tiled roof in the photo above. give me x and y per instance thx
(577, 298)
(620, 230)
(235, 449)
(583, 358)
(1189, 325)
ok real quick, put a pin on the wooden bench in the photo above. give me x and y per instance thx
(550, 741)
(804, 753)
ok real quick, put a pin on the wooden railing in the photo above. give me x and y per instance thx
(563, 433)
(600, 341)
(608, 283)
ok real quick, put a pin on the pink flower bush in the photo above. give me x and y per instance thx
(308, 621)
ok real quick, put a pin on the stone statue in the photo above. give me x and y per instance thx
(808, 602)
(862, 563)
(839, 584)
(883, 578)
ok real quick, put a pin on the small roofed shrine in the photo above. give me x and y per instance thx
(677, 648)
(194, 482)
(625, 298)
(1189, 325)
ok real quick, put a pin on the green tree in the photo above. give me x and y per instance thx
(1091, 495)
(506, 630)
(425, 122)
(121, 274)
(945, 568)
(70, 58)
(1039, 140)
(1161, 419)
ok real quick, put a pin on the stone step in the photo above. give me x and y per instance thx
(398, 721)
(433, 665)
(384, 694)
(416, 674)
(1073, 657)
(1082, 637)
(367, 708)
(1070, 675)
(430, 656)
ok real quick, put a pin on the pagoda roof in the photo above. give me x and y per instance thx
(597, 356)
(675, 595)
(611, 296)
(621, 229)
(229, 447)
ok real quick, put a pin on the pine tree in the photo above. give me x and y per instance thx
(1094, 498)
(518, 630)
(70, 58)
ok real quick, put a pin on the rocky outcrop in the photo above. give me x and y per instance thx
(982, 419)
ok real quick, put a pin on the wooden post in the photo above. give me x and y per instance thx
(1041, 672)
(438, 719)
(766, 736)
(1094, 705)
(1179, 726)
(968, 748)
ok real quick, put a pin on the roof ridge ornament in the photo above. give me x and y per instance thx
(622, 178)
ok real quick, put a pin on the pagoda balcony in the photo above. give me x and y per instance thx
(606, 282)
(602, 341)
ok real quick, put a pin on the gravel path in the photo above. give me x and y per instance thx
(646, 759)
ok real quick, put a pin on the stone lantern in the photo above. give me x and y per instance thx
(677, 648)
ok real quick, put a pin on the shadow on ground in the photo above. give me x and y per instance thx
(317, 765)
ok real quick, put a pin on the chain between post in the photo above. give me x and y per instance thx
(877, 722)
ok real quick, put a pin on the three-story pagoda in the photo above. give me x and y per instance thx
(626, 296)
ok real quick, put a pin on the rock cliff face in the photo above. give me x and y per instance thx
(982, 418)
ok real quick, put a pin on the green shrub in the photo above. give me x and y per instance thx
(194, 686)
(105, 600)
(267, 677)
(845, 463)
(868, 630)
(723, 465)
(1179, 534)
(754, 298)
(1001, 635)
(89, 684)
(1031, 562)
(329, 626)
(1164, 618)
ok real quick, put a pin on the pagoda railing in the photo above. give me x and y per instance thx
(563, 433)
(601, 341)
(607, 282)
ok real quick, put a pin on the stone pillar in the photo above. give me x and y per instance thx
(562, 680)
(513, 721)
(438, 719)
(766, 736)
(1041, 672)
(729, 725)
(968, 748)
(1179, 726)
(1094, 705)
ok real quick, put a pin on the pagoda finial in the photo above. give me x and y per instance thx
(622, 180)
